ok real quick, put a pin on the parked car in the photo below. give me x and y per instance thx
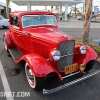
(3, 22)
(79, 17)
(35, 39)
(98, 17)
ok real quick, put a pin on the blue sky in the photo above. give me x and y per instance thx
(14, 6)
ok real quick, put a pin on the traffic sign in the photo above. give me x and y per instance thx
(96, 10)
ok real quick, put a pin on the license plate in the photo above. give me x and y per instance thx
(71, 68)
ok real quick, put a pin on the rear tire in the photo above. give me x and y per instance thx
(4, 27)
(34, 82)
(89, 65)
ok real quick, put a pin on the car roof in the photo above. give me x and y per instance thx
(20, 13)
(1, 16)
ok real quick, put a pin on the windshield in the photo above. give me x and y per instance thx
(37, 20)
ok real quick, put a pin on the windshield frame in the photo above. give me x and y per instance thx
(41, 24)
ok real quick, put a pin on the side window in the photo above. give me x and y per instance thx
(15, 21)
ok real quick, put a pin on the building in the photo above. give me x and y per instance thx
(51, 3)
(3, 9)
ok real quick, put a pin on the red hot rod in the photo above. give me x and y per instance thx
(34, 38)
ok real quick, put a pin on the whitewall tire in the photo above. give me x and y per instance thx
(34, 82)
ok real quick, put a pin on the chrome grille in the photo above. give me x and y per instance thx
(66, 47)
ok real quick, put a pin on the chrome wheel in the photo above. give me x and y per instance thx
(30, 76)
(34, 81)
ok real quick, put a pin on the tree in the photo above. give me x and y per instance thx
(7, 7)
(87, 21)
(73, 10)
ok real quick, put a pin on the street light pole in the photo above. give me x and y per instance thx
(87, 21)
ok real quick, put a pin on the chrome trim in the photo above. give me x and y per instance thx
(11, 54)
(66, 49)
(71, 74)
(63, 56)
(25, 33)
(69, 54)
(70, 83)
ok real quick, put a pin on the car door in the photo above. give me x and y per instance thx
(17, 34)
(26, 42)
(25, 39)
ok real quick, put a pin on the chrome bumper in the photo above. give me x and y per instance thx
(70, 83)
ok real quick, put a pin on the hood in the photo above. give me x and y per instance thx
(49, 34)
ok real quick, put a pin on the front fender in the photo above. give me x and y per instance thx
(84, 59)
(39, 65)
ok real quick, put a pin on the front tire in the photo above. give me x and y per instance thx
(89, 65)
(34, 82)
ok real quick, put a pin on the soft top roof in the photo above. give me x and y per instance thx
(21, 13)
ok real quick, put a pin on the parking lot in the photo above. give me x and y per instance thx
(15, 75)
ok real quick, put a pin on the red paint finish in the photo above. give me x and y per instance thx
(84, 59)
(9, 41)
(37, 42)
(39, 65)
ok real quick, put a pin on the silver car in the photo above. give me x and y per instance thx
(3, 22)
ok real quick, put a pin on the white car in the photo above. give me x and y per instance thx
(79, 17)
(98, 17)
(3, 22)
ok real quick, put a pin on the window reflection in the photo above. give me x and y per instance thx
(36, 20)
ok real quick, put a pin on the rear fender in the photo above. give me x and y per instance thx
(84, 59)
(39, 65)
(9, 41)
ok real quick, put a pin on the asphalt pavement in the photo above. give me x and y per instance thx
(77, 33)
(15, 74)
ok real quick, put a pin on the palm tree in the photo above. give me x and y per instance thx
(7, 7)
(87, 21)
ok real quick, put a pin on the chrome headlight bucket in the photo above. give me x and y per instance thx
(56, 55)
(83, 49)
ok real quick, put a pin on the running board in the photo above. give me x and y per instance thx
(15, 53)
(70, 83)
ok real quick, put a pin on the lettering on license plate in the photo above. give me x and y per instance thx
(71, 68)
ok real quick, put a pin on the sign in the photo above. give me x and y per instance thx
(96, 11)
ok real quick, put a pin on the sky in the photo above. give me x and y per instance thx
(14, 6)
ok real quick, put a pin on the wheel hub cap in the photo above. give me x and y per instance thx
(30, 75)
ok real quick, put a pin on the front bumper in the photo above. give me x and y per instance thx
(70, 83)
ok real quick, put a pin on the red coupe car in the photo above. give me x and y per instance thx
(34, 38)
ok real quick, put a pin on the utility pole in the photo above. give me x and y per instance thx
(7, 7)
(87, 21)
(75, 11)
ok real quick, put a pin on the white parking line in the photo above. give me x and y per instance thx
(5, 82)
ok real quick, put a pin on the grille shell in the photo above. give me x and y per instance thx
(65, 48)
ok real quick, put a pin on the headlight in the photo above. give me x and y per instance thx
(56, 55)
(83, 49)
